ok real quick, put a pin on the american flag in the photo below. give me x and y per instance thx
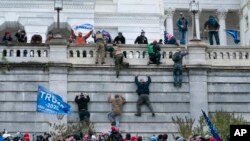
(211, 127)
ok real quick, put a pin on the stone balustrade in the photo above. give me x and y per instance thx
(134, 54)
(227, 56)
(27, 53)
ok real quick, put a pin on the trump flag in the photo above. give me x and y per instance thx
(48, 102)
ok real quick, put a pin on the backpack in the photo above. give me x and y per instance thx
(150, 49)
(115, 137)
(176, 57)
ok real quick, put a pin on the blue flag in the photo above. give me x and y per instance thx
(83, 26)
(51, 103)
(107, 36)
(211, 127)
(234, 34)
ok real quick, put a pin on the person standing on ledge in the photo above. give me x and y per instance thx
(143, 93)
(182, 25)
(142, 39)
(178, 67)
(213, 27)
(82, 102)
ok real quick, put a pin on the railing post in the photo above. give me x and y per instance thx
(58, 75)
(58, 51)
(197, 79)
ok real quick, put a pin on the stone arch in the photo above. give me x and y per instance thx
(65, 29)
(12, 27)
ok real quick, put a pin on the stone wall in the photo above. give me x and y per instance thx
(215, 78)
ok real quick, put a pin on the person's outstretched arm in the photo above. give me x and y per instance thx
(87, 35)
(87, 98)
(149, 79)
(76, 99)
(136, 80)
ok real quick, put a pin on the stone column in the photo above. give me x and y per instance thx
(169, 20)
(197, 22)
(242, 29)
(197, 79)
(58, 75)
(222, 13)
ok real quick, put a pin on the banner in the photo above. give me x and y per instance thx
(83, 28)
(211, 127)
(51, 103)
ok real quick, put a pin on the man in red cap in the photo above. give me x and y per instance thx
(155, 57)
(115, 135)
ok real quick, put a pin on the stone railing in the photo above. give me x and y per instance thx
(25, 53)
(134, 54)
(228, 56)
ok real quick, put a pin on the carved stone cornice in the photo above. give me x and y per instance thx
(47, 4)
(222, 13)
(169, 12)
(126, 19)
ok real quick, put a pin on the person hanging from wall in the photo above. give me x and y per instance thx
(120, 39)
(118, 58)
(170, 39)
(213, 27)
(21, 36)
(100, 48)
(82, 102)
(154, 53)
(182, 25)
(117, 103)
(142, 39)
(143, 93)
(178, 68)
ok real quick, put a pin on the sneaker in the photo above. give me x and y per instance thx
(153, 114)
(138, 115)
(96, 62)
(103, 63)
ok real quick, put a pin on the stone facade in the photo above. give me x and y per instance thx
(215, 78)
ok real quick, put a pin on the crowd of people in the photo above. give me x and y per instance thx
(211, 26)
(112, 134)
(117, 101)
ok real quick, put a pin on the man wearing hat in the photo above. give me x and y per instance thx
(120, 39)
(82, 102)
(115, 135)
(142, 39)
(182, 24)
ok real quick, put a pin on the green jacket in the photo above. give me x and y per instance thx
(182, 22)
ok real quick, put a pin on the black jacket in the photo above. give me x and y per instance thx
(156, 48)
(121, 39)
(143, 88)
(141, 40)
(82, 102)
